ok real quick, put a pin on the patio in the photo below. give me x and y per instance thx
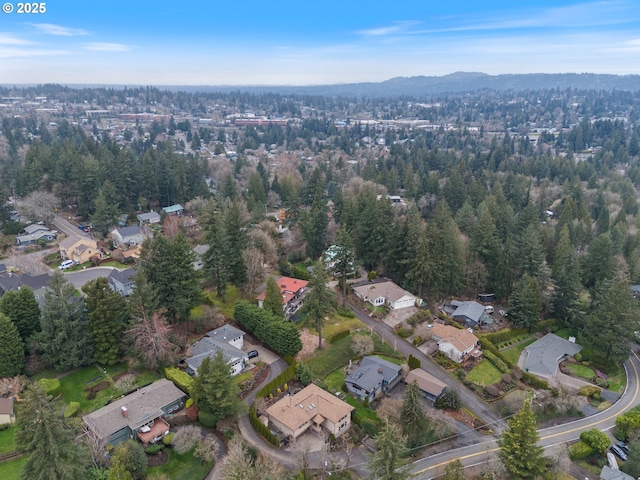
(153, 432)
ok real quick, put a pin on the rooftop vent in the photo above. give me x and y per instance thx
(124, 411)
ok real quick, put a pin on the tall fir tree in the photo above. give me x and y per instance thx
(23, 309)
(47, 441)
(385, 462)
(526, 303)
(415, 425)
(108, 318)
(12, 348)
(105, 213)
(214, 389)
(565, 274)
(273, 298)
(519, 451)
(236, 221)
(216, 259)
(319, 301)
(344, 261)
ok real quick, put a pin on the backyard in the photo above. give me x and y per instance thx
(178, 467)
(12, 470)
(513, 353)
(485, 373)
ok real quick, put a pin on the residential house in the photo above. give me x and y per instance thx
(6, 411)
(121, 281)
(35, 232)
(228, 340)
(292, 290)
(33, 228)
(311, 408)
(199, 251)
(174, 209)
(148, 218)
(139, 414)
(543, 356)
(611, 473)
(387, 292)
(15, 281)
(469, 313)
(373, 377)
(79, 249)
(456, 344)
(431, 387)
(130, 236)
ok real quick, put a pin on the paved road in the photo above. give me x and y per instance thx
(431, 467)
(471, 401)
(80, 277)
(64, 226)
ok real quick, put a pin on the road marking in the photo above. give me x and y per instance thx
(471, 455)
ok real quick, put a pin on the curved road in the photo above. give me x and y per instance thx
(434, 465)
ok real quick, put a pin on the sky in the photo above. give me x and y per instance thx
(247, 42)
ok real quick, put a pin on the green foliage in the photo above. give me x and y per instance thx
(273, 298)
(319, 301)
(526, 303)
(23, 309)
(415, 425)
(286, 376)
(339, 335)
(345, 312)
(449, 399)
(262, 429)
(71, 409)
(498, 363)
(580, 451)
(632, 465)
(207, 419)
(413, 362)
(129, 457)
(519, 452)
(385, 462)
(12, 348)
(51, 386)
(534, 381)
(627, 424)
(180, 378)
(168, 438)
(454, 471)
(303, 373)
(589, 390)
(596, 439)
(504, 335)
(154, 449)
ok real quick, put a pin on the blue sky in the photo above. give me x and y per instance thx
(247, 42)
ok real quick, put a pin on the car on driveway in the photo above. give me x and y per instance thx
(252, 354)
(619, 452)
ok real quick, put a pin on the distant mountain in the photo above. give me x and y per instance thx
(458, 82)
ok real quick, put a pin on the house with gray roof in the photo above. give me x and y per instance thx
(148, 218)
(15, 281)
(199, 250)
(373, 377)
(543, 356)
(228, 340)
(176, 209)
(121, 281)
(139, 414)
(130, 236)
(469, 313)
(39, 234)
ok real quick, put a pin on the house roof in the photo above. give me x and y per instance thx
(462, 339)
(207, 347)
(128, 231)
(426, 382)
(609, 473)
(225, 333)
(311, 403)
(6, 406)
(288, 287)
(142, 406)
(471, 310)
(542, 356)
(173, 208)
(71, 241)
(388, 290)
(149, 216)
(201, 249)
(17, 280)
(33, 228)
(122, 276)
(33, 237)
(372, 371)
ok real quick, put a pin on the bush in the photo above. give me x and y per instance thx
(186, 438)
(262, 429)
(534, 381)
(345, 312)
(498, 363)
(168, 438)
(404, 332)
(125, 383)
(300, 271)
(50, 385)
(154, 449)
(579, 451)
(578, 357)
(449, 399)
(596, 439)
(627, 424)
(207, 419)
(181, 379)
(189, 402)
(492, 390)
(417, 341)
(504, 335)
(71, 409)
(413, 362)
(588, 390)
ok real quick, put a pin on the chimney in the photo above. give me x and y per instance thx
(124, 411)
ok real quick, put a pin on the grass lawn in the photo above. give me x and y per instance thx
(580, 371)
(179, 467)
(513, 353)
(7, 442)
(12, 470)
(114, 263)
(566, 333)
(365, 413)
(335, 380)
(334, 356)
(338, 323)
(226, 307)
(617, 379)
(484, 373)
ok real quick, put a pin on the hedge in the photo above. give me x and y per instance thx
(553, 324)
(286, 376)
(71, 409)
(499, 364)
(504, 335)
(181, 379)
(580, 450)
(531, 380)
(339, 336)
(50, 385)
(534, 381)
(589, 390)
(413, 362)
(262, 429)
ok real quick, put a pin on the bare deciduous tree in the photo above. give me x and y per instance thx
(12, 386)
(96, 446)
(186, 438)
(262, 240)
(207, 448)
(171, 227)
(236, 465)
(39, 205)
(389, 409)
(150, 336)
(362, 345)
(254, 265)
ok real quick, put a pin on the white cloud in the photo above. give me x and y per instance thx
(395, 29)
(26, 53)
(107, 47)
(8, 39)
(58, 30)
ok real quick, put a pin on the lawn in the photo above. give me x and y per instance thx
(338, 323)
(484, 373)
(566, 333)
(364, 413)
(12, 470)
(580, 370)
(232, 297)
(7, 442)
(178, 467)
(335, 380)
(335, 355)
(513, 353)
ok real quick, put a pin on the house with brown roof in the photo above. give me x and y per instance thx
(381, 293)
(139, 414)
(456, 344)
(292, 290)
(79, 249)
(312, 408)
(427, 383)
(6, 411)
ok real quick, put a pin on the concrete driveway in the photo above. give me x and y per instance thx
(264, 354)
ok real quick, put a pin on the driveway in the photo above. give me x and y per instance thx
(264, 354)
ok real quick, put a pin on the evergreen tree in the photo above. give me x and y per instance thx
(23, 309)
(319, 301)
(565, 273)
(526, 304)
(598, 265)
(216, 259)
(105, 214)
(344, 261)
(454, 471)
(12, 348)
(108, 317)
(214, 389)
(414, 422)
(519, 452)
(128, 460)
(384, 464)
(44, 438)
(64, 339)
(273, 298)
(313, 226)
(236, 222)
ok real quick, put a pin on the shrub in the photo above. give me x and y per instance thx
(71, 409)
(186, 438)
(588, 390)
(413, 362)
(449, 399)
(189, 402)
(534, 381)
(627, 424)
(181, 379)
(492, 390)
(345, 312)
(497, 362)
(168, 438)
(207, 419)
(50, 385)
(299, 271)
(578, 357)
(404, 332)
(125, 382)
(417, 341)
(579, 451)
(154, 449)
(596, 439)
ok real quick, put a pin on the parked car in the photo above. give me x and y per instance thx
(623, 446)
(252, 354)
(619, 452)
(66, 264)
